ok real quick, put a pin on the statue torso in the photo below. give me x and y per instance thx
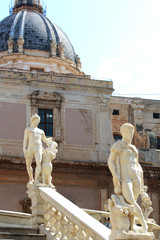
(128, 159)
(34, 137)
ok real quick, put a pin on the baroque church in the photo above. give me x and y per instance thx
(40, 72)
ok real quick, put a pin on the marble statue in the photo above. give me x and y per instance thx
(128, 185)
(48, 156)
(146, 203)
(32, 148)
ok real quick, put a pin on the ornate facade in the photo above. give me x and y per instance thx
(40, 71)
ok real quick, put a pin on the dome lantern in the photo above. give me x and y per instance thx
(34, 5)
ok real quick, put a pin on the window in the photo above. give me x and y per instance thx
(46, 123)
(117, 137)
(158, 142)
(47, 105)
(115, 112)
(37, 69)
(156, 115)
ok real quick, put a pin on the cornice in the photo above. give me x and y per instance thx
(67, 80)
(60, 165)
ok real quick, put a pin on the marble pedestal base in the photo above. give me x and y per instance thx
(37, 204)
(123, 235)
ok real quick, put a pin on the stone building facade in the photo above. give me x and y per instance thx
(144, 114)
(41, 73)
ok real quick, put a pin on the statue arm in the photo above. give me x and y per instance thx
(112, 166)
(46, 140)
(142, 179)
(25, 142)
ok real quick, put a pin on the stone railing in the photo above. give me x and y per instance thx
(64, 220)
(8, 218)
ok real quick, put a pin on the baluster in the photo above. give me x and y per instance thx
(88, 237)
(63, 227)
(57, 225)
(47, 215)
(68, 227)
(81, 234)
(73, 230)
(52, 220)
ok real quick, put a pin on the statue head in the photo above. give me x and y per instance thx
(35, 117)
(52, 145)
(127, 128)
(145, 188)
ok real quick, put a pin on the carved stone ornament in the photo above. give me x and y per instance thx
(78, 63)
(53, 47)
(10, 45)
(102, 102)
(156, 130)
(26, 205)
(46, 98)
(20, 43)
(137, 103)
(61, 50)
(142, 140)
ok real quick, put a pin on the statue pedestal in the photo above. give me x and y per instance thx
(123, 235)
(37, 204)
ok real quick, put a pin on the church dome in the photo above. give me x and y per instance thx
(28, 28)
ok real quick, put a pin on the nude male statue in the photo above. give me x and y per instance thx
(127, 173)
(32, 147)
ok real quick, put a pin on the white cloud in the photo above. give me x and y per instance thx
(137, 70)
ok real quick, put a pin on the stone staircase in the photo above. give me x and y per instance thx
(22, 233)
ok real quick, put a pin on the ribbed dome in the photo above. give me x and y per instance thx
(38, 33)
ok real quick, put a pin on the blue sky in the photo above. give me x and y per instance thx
(115, 39)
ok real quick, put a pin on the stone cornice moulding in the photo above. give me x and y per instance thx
(33, 57)
(149, 170)
(68, 81)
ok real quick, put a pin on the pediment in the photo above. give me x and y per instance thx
(43, 97)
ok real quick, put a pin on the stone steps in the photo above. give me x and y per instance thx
(20, 233)
(20, 229)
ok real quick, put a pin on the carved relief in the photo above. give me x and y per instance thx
(141, 138)
(102, 101)
(46, 98)
(26, 205)
(156, 130)
(87, 119)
